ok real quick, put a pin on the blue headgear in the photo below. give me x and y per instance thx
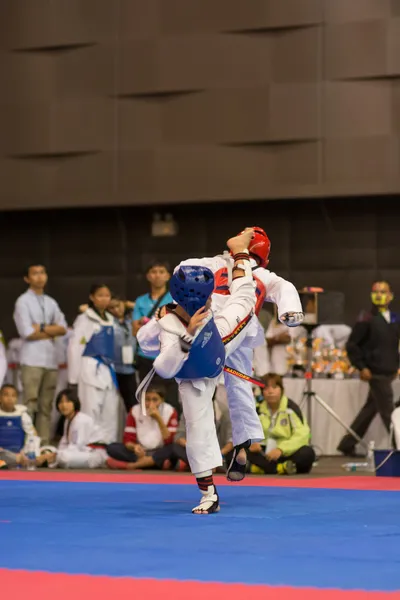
(190, 287)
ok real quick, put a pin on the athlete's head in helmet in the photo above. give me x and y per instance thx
(260, 247)
(191, 287)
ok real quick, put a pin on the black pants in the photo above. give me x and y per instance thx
(127, 389)
(303, 459)
(144, 366)
(379, 400)
(172, 452)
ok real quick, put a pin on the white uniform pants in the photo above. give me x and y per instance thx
(396, 426)
(245, 421)
(202, 445)
(102, 406)
(72, 458)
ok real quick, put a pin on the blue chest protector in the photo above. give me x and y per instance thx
(101, 347)
(206, 356)
(12, 434)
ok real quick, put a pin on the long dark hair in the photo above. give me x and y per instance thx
(71, 396)
(93, 289)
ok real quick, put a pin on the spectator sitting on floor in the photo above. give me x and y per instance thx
(81, 446)
(146, 438)
(286, 448)
(12, 441)
(224, 433)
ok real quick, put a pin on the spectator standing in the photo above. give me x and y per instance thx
(39, 322)
(373, 348)
(158, 276)
(90, 363)
(124, 348)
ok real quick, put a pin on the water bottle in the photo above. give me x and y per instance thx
(355, 466)
(31, 453)
(371, 457)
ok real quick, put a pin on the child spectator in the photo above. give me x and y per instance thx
(286, 448)
(146, 438)
(81, 446)
(90, 362)
(15, 427)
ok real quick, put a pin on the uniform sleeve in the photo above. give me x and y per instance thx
(76, 346)
(355, 344)
(27, 424)
(22, 319)
(300, 436)
(148, 337)
(280, 291)
(172, 427)
(130, 434)
(171, 358)
(59, 317)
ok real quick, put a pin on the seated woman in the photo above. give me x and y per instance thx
(147, 439)
(286, 448)
(82, 444)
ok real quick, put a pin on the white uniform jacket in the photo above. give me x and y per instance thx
(84, 368)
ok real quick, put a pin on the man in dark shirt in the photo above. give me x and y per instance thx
(373, 348)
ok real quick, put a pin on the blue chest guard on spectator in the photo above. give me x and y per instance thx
(206, 356)
(12, 434)
(101, 348)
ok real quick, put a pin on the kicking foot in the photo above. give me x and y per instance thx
(237, 468)
(209, 504)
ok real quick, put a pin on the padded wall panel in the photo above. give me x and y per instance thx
(59, 127)
(358, 108)
(357, 49)
(180, 100)
(342, 11)
(43, 24)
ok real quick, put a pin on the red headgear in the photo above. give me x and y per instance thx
(260, 247)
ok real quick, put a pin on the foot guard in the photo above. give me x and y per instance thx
(209, 504)
(236, 471)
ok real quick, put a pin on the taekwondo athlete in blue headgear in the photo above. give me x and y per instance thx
(191, 288)
(194, 344)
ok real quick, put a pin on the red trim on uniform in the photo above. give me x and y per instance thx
(261, 292)
(172, 427)
(130, 436)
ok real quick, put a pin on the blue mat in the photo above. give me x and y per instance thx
(274, 536)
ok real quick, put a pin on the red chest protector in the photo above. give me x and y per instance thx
(222, 287)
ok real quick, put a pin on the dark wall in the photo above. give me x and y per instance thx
(132, 102)
(337, 244)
